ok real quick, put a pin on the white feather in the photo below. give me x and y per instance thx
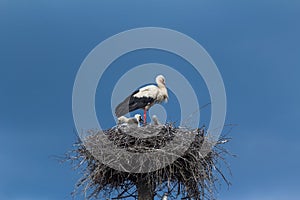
(147, 91)
(159, 94)
(130, 121)
(155, 120)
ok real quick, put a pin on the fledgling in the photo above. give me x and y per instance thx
(135, 121)
(155, 120)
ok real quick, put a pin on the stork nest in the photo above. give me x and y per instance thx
(190, 176)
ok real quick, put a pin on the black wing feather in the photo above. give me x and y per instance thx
(132, 103)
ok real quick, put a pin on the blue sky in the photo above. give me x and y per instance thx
(255, 45)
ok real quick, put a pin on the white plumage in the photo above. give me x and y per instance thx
(130, 121)
(155, 120)
(144, 98)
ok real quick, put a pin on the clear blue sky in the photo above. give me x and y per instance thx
(255, 44)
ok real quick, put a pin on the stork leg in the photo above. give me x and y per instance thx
(145, 116)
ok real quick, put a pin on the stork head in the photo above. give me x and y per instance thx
(138, 118)
(160, 80)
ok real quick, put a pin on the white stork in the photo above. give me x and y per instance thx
(131, 121)
(144, 98)
(155, 120)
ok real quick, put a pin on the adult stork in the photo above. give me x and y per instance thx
(144, 98)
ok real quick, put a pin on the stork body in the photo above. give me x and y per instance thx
(144, 98)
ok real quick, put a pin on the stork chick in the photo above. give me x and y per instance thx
(131, 121)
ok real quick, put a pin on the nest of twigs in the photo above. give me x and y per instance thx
(190, 175)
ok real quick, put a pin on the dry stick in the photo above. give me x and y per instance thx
(192, 173)
(187, 118)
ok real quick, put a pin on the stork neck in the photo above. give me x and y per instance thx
(160, 85)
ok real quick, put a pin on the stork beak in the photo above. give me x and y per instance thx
(141, 120)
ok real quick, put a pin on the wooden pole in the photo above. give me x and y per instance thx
(145, 189)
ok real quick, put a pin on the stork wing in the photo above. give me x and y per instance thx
(137, 100)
